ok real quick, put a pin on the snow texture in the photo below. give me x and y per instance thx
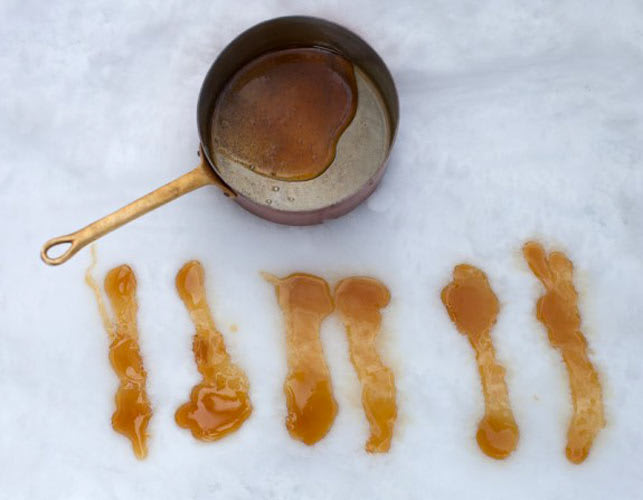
(519, 120)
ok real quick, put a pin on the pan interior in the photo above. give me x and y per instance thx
(361, 150)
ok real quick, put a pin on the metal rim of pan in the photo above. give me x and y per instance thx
(362, 150)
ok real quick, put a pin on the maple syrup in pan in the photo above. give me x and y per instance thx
(220, 403)
(473, 307)
(282, 114)
(359, 300)
(558, 311)
(305, 301)
(133, 409)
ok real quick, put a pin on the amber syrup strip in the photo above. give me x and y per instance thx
(558, 311)
(305, 301)
(473, 308)
(359, 300)
(220, 403)
(133, 409)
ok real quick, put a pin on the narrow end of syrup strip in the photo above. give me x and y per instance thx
(270, 278)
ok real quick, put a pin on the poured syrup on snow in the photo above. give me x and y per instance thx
(305, 301)
(220, 403)
(473, 307)
(133, 409)
(558, 311)
(359, 301)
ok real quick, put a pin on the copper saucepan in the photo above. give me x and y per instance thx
(361, 154)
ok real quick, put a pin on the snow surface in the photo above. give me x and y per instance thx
(518, 120)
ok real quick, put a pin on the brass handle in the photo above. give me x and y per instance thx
(199, 177)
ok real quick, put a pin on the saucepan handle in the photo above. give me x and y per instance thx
(200, 176)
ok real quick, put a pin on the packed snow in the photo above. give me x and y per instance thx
(519, 120)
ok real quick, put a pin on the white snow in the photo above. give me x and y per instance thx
(519, 120)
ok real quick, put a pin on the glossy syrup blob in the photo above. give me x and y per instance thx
(359, 300)
(305, 301)
(558, 311)
(473, 307)
(282, 114)
(133, 410)
(219, 404)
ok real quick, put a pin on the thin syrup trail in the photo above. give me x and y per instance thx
(305, 301)
(558, 311)
(473, 308)
(91, 282)
(359, 300)
(220, 403)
